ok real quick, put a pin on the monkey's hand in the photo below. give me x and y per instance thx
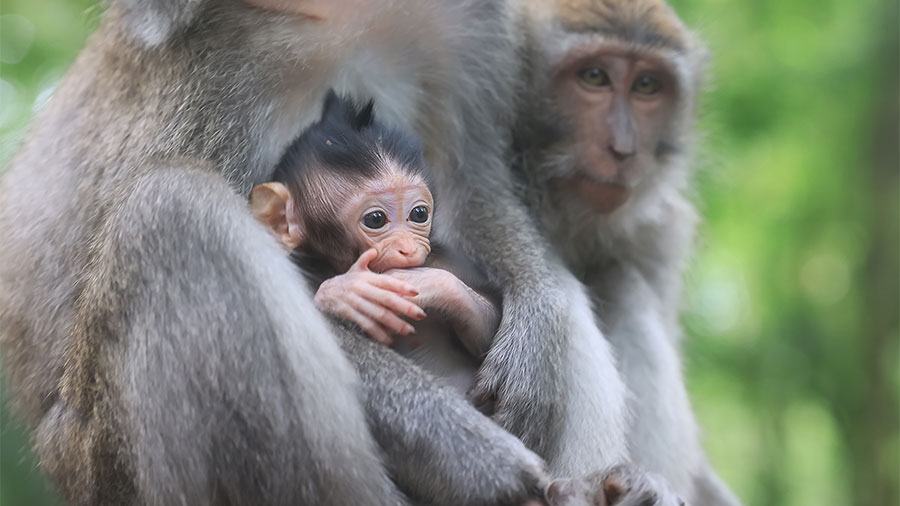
(622, 485)
(437, 289)
(373, 301)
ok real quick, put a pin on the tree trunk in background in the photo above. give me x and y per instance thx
(874, 444)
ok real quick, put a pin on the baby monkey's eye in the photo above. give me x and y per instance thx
(419, 214)
(375, 220)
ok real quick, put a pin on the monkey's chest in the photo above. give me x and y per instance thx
(436, 349)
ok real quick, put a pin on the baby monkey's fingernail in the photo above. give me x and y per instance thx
(410, 330)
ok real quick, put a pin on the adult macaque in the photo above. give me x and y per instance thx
(161, 346)
(605, 135)
(350, 201)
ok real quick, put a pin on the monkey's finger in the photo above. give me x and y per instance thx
(375, 331)
(390, 300)
(388, 282)
(383, 316)
(370, 327)
(362, 263)
(401, 306)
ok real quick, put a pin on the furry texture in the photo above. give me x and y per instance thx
(157, 340)
(631, 260)
(159, 343)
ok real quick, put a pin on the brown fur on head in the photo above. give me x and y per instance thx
(645, 22)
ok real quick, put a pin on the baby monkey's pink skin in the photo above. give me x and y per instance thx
(374, 301)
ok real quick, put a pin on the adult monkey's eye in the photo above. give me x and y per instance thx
(419, 214)
(375, 220)
(646, 85)
(594, 76)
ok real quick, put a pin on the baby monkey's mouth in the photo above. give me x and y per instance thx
(401, 256)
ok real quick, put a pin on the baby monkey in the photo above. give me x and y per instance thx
(351, 201)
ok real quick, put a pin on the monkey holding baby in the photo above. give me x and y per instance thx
(351, 202)
(129, 355)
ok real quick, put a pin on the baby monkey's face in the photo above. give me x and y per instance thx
(393, 215)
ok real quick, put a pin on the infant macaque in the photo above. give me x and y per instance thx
(350, 200)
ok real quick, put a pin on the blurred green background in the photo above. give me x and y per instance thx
(792, 305)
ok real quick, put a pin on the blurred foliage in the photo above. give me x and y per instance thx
(792, 310)
(792, 304)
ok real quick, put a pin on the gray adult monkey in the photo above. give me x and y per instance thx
(147, 342)
(606, 133)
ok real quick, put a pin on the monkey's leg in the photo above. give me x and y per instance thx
(439, 448)
(220, 382)
(664, 437)
(595, 418)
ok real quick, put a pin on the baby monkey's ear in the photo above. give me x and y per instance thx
(272, 205)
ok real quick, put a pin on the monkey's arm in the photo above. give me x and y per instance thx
(472, 315)
(664, 435)
(550, 371)
(459, 456)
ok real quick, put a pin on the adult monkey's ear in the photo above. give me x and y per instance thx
(155, 21)
(272, 205)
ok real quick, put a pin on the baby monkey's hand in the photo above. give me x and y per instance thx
(373, 301)
(435, 288)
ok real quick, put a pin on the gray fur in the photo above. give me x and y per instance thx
(631, 260)
(472, 462)
(155, 337)
(156, 22)
(622, 485)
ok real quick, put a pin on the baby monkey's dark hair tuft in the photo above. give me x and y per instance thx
(337, 109)
(348, 141)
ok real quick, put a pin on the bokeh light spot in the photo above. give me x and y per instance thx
(16, 38)
(825, 278)
(10, 102)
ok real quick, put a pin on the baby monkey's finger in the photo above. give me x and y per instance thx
(384, 317)
(362, 263)
(369, 326)
(390, 300)
(393, 284)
